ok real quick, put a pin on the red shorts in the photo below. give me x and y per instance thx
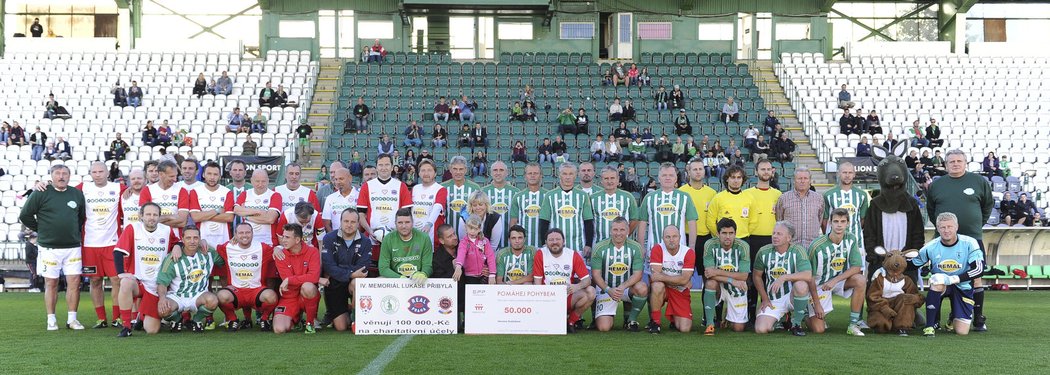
(678, 303)
(148, 304)
(98, 262)
(246, 297)
(290, 307)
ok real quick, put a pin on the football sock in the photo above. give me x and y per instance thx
(636, 308)
(978, 302)
(573, 316)
(101, 312)
(127, 317)
(264, 311)
(933, 307)
(654, 315)
(71, 316)
(229, 310)
(202, 313)
(709, 306)
(854, 317)
(52, 319)
(311, 306)
(116, 311)
(246, 312)
(801, 305)
(174, 317)
(186, 316)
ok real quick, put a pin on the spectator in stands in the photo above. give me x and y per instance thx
(359, 121)
(783, 148)
(692, 148)
(516, 113)
(637, 149)
(890, 142)
(164, 135)
(632, 75)
(615, 110)
(737, 159)
(662, 98)
(860, 123)
(874, 123)
(395, 158)
(845, 99)
(413, 135)
(249, 147)
(527, 94)
(648, 137)
(1007, 209)
(518, 153)
(5, 133)
(466, 113)
(303, 132)
(37, 140)
(682, 125)
(629, 113)
(224, 85)
(410, 158)
(50, 152)
(1004, 164)
(213, 87)
(937, 167)
(912, 160)
(731, 148)
(846, 123)
(424, 155)
(750, 137)
(266, 95)
(770, 123)
(453, 110)
(376, 53)
(409, 176)
(479, 136)
(919, 139)
(933, 134)
(440, 138)
(678, 149)
(545, 151)
(730, 111)
(990, 165)
(677, 97)
(711, 165)
(558, 148)
(1037, 220)
(235, 121)
(643, 78)
(529, 111)
(357, 165)
(619, 74)
(441, 110)
(117, 149)
(200, 86)
(582, 122)
(479, 164)
(663, 150)
(62, 149)
(259, 122)
(922, 179)
(717, 147)
(470, 103)
(115, 175)
(567, 122)
(385, 146)
(149, 134)
(598, 149)
(761, 150)
(36, 29)
(705, 144)
(863, 148)
(622, 134)
(280, 98)
(135, 94)
(464, 136)
(926, 160)
(52, 109)
(613, 151)
(120, 95)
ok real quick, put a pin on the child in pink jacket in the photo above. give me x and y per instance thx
(475, 257)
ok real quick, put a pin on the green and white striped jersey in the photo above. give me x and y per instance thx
(513, 267)
(774, 265)
(854, 200)
(500, 202)
(525, 206)
(616, 264)
(568, 210)
(660, 209)
(830, 259)
(190, 275)
(608, 207)
(457, 200)
(736, 259)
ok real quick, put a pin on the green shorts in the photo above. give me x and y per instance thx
(303, 142)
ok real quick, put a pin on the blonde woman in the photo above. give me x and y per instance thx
(479, 205)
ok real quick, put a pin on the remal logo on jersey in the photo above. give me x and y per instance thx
(949, 265)
(610, 213)
(838, 264)
(500, 208)
(418, 305)
(532, 211)
(666, 209)
(567, 212)
(618, 268)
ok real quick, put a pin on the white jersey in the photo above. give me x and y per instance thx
(171, 200)
(268, 200)
(674, 265)
(560, 270)
(313, 230)
(130, 208)
(428, 206)
(103, 211)
(189, 187)
(202, 199)
(336, 203)
(146, 251)
(289, 198)
(246, 266)
(380, 201)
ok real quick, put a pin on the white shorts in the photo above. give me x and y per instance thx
(825, 297)
(186, 304)
(604, 305)
(53, 262)
(736, 307)
(781, 306)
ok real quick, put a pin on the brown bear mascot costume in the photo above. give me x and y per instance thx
(892, 296)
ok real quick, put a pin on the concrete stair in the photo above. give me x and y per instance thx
(323, 107)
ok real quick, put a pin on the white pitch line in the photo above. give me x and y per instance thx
(379, 363)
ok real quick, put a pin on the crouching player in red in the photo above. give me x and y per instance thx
(184, 282)
(555, 264)
(672, 270)
(145, 244)
(248, 263)
(299, 266)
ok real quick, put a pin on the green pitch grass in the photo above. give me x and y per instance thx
(1017, 343)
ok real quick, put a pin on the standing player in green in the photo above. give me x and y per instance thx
(665, 208)
(727, 261)
(851, 198)
(459, 190)
(514, 263)
(610, 204)
(616, 268)
(569, 209)
(836, 261)
(782, 273)
(763, 199)
(406, 253)
(525, 206)
(184, 282)
(500, 193)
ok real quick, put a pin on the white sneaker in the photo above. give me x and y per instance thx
(75, 325)
(862, 325)
(52, 326)
(854, 330)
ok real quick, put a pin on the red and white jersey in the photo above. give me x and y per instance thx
(380, 201)
(428, 206)
(129, 208)
(189, 187)
(561, 270)
(289, 198)
(313, 230)
(676, 264)
(246, 268)
(202, 199)
(268, 200)
(103, 213)
(171, 200)
(145, 251)
(336, 203)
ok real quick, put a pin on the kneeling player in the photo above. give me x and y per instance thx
(554, 264)
(672, 266)
(616, 268)
(726, 262)
(299, 266)
(781, 276)
(248, 263)
(184, 282)
(146, 244)
(955, 260)
(836, 262)
(345, 256)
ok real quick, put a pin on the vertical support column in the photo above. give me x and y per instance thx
(136, 20)
(951, 22)
(3, 26)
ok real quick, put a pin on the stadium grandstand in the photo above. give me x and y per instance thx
(805, 84)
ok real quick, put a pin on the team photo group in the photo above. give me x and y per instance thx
(183, 252)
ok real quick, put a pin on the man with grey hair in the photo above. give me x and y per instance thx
(612, 203)
(569, 209)
(802, 208)
(969, 197)
(459, 190)
(57, 214)
(323, 191)
(500, 193)
(100, 236)
(955, 261)
(344, 197)
(667, 207)
(781, 274)
(525, 206)
(293, 192)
